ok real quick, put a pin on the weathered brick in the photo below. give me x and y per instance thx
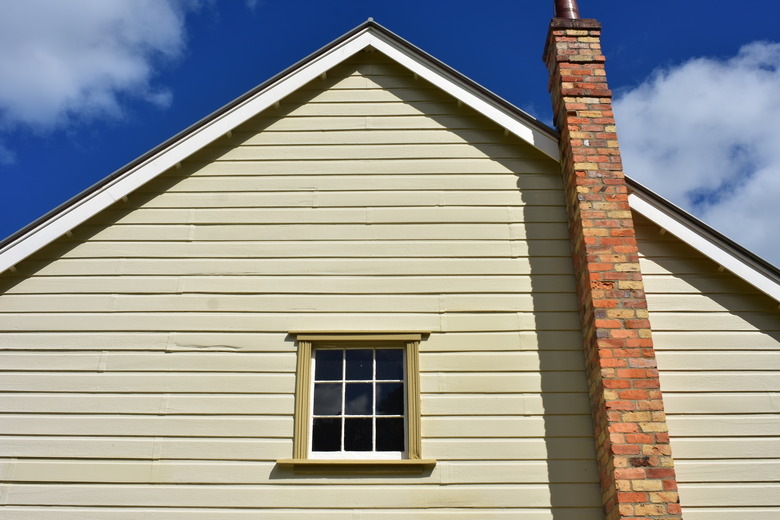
(623, 427)
(660, 473)
(626, 449)
(632, 497)
(649, 510)
(633, 394)
(638, 417)
(647, 485)
(639, 438)
(630, 473)
(664, 496)
(653, 426)
(633, 453)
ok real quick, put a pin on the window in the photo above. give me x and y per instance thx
(357, 400)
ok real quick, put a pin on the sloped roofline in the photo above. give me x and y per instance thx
(167, 155)
(711, 243)
(170, 153)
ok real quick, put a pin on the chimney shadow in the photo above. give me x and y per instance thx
(565, 407)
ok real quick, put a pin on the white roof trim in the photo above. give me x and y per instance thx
(459, 90)
(512, 120)
(703, 242)
(83, 209)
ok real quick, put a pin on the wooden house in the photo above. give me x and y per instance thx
(371, 289)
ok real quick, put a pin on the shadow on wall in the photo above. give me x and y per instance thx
(680, 279)
(569, 437)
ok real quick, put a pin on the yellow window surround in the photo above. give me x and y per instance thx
(307, 342)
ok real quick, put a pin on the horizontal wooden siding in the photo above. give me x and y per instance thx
(718, 345)
(147, 366)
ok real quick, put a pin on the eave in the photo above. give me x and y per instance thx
(720, 249)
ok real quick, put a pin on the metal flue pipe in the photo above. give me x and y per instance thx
(567, 9)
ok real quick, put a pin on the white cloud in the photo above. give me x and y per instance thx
(64, 61)
(704, 135)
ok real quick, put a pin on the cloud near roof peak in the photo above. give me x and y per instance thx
(704, 134)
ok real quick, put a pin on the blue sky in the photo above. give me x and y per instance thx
(88, 85)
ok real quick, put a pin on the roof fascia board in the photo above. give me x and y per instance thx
(423, 67)
(123, 185)
(697, 237)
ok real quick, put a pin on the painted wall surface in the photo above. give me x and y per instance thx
(718, 345)
(147, 366)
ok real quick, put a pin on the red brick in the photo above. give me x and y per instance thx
(630, 473)
(608, 324)
(632, 497)
(647, 383)
(633, 394)
(660, 472)
(618, 345)
(639, 438)
(632, 373)
(624, 427)
(620, 405)
(617, 383)
(613, 362)
(626, 449)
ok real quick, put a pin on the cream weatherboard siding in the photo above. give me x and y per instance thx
(718, 345)
(147, 366)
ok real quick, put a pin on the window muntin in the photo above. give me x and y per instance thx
(358, 403)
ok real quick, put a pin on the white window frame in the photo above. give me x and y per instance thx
(359, 455)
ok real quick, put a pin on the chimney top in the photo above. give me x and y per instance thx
(567, 9)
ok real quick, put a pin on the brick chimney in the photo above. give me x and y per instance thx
(636, 470)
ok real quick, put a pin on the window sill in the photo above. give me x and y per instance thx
(358, 466)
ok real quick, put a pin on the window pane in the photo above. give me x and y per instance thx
(360, 364)
(326, 435)
(327, 398)
(390, 398)
(358, 435)
(390, 434)
(390, 364)
(359, 398)
(327, 365)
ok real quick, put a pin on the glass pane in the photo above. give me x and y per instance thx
(389, 434)
(359, 399)
(326, 435)
(390, 364)
(327, 365)
(358, 435)
(360, 364)
(327, 398)
(390, 398)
